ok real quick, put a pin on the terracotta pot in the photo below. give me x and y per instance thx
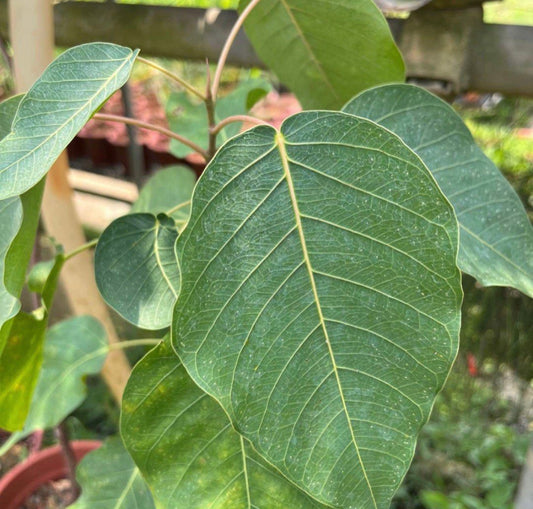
(43, 466)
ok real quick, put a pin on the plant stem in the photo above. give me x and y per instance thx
(227, 46)
(151, 127)
(210, 108)
(70, 459)
(178, 207)
(173, 76)
(80, 249)
(132, 343)
(237, 118)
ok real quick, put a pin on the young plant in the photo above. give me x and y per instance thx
(310, 278)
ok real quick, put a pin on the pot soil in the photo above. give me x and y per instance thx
(38, 470)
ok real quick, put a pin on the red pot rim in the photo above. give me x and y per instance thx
(43, 466)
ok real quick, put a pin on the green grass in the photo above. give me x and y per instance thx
(500, 132)
(512, 12)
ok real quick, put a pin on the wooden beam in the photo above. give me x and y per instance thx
(502, 60)
(180, 33)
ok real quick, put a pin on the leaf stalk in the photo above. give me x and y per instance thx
(152, 127)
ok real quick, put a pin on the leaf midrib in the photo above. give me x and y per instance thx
(280, 143)
(306, 44)
(158, 258)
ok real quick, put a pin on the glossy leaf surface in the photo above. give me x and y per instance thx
(325, 51)
(320, 300)
(56, 107)
(496, 237)
(187, 116)
(186, 448)
(136, 268)
(110, 480)
(20, 365)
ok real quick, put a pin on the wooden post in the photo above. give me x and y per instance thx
(32, 38)
(524, 497)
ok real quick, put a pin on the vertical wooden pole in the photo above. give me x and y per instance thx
(524, 497)
(32, 39)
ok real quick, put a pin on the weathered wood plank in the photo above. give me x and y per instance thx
(180, 33)
(502, 60)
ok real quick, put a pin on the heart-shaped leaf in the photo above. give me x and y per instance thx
(169, 192)
(496, 237)
(20, 366)
(324, 51)
(210, 465)
(187, 116)
(56, 108)
(136, 268)
(109, 479)
(320, 300)
(73, 349)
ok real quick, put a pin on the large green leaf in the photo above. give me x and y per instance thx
(110, 480)
(73, 349)
(168, 191)
(186, 448)
(188, 117)
(325, 51)
(496, 237)
(56, 108)
(137, 270)
(20, 365)
(320, 300)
